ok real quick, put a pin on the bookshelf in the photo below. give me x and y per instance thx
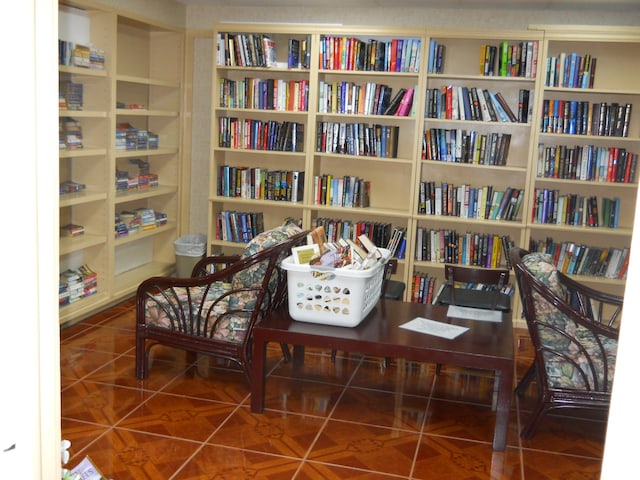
(142, 69)
(618, 63)
(334, 109)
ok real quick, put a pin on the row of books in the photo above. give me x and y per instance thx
(365, 99)
(72, 54)
(250, 134)
(69, 186)
(510, 60)
(358, 139)
(587, 162)
(422, 288)
(350, 53)
(574, 117)
(380, 233)
(269, 94)
(579, 259)
(347, 191)
(454, 102)
(260, 184)
(136, 177)
(470, 248)
(69, 134)
(259, 50)
(71, 95)
(457, 145)
(76, 283)
(570, 70)
(129, 138)
(436, 56)
(469, 202)
(238, 227)
(552, 207)
(130, 222)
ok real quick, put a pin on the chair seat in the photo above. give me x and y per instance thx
(466, 297)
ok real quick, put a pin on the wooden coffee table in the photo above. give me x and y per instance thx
(486, 345)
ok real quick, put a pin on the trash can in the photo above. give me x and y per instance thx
(189, 249)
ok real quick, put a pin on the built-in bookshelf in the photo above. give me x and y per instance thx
(467, 159)
(588, 136)
(116, 70)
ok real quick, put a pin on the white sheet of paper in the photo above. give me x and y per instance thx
(431, 327)
(474, 314)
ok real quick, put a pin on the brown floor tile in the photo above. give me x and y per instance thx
(122, 372)
(460, 420)
(385, 409)
(465, 385)
(401, 376)
(297, 396)
(128, 455)
(100, 403)
(80, 434)
(550, 466)
(366, 447)
(210, 383)
(178, 417)
(319, 368)
(76, 363)
(102, 339)
(279, 433)
(216, 462)
(440, 457)
(315, 471)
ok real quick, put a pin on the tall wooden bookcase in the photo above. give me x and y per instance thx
(396, 182)
(617, 50)
(143, 68)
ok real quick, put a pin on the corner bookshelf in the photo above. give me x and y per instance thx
(611, 82)
(142, 67)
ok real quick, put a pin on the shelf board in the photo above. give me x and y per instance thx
(480, 221)
(486, 78)
(82, 152)
(593, 91)
(82, 197)
(369, 211)
(89, 72)
(588, 183)
(143, 112)
(252, 201)
(479, 122)
(366, 158)
(122, 197)
(146, 153)
(83, 306)
(495, 168)
(64, 112)
(599, 138)
(127, 282)
(579, 230)
(75, 244)
(146, 81)
(142, 234)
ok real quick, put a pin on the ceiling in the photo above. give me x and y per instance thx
(630, 5)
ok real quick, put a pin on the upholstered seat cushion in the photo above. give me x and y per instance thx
(556, 331)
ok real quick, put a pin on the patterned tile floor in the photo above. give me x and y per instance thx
(349, 419)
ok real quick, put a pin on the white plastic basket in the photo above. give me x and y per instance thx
(333, 296)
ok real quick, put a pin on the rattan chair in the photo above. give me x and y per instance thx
(574, 331)
(214, 311)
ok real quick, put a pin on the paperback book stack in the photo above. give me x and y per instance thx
(131, 221)
(71, 132)
(72, 279)
(147, 218)
(121, 229)
(70, 186)
(89, 280)
(126, 137)
(71, 230)
(71, 54)
(71, 95)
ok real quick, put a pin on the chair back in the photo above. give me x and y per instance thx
(488, 297)
(573, 328)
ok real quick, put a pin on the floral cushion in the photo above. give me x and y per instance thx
(561, 372)
(171, 310)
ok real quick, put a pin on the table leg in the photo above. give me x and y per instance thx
(258, 374)
(503, 407)
(298, 355)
